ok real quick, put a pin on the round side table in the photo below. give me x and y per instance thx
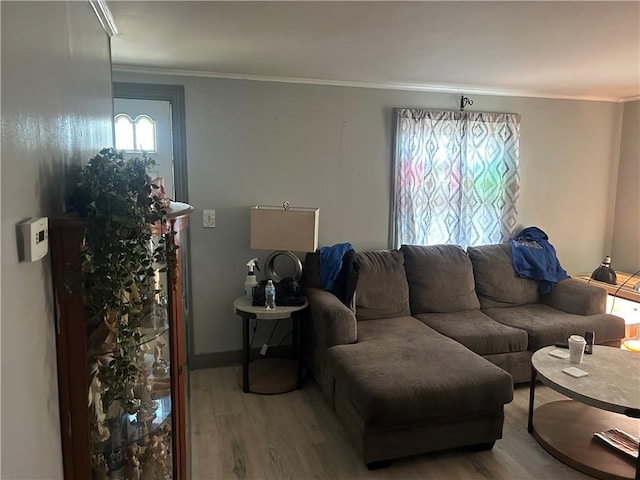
(269, 375)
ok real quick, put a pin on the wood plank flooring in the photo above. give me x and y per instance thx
(296, 436)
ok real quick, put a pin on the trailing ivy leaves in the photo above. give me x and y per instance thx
(119, 259)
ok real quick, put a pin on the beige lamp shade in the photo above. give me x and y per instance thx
(294, 229)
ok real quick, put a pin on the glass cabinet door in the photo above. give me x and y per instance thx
(134, 437)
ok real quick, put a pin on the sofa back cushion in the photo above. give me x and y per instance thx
(497, 283)
(382, 290)
(440, 279)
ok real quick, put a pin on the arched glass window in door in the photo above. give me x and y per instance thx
(137, 135)
(124, 132)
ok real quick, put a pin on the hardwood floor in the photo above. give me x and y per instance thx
(296, 436)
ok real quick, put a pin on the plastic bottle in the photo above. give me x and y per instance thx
(270, 295)
(251, 282)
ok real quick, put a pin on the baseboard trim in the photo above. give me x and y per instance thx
(234, 357)
(219, 359)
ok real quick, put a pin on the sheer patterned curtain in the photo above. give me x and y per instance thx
(455, 177)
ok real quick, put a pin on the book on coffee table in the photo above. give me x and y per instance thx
(620, 440)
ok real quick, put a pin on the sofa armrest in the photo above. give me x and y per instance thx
(574, 296)
(332, 322)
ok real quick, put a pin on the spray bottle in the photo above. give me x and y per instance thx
(251, 282)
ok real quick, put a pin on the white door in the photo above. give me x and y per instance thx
(149, 130)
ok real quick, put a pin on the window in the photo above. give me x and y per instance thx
(455, 177)
(137, 135)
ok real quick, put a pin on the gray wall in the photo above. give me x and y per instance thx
(56, 110)
(251, 142)
(625, 252)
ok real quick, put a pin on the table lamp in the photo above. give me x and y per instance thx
(284, 229)
(604, 273)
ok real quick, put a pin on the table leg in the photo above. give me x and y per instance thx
(298, 349)
(532, 394)
(245, 354)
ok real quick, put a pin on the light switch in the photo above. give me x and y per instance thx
(208, 218)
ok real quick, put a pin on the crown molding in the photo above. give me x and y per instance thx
(465, 89)
(104, 17)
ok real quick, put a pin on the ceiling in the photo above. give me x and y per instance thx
(585, 50)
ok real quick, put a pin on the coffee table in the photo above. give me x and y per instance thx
(609, 397)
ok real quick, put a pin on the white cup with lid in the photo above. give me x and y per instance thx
(576, 348)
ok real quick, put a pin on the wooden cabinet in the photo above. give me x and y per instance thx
(142, 435)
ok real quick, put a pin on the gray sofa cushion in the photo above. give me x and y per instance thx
(440, 279)
(497, 284)
(546, 325)
(476, 331)
(382, 290)
(395, 376)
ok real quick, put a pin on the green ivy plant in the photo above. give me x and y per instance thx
(119, 261)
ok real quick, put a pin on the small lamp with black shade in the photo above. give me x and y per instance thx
(285, 230)
(604, 273)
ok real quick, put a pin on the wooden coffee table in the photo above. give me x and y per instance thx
(609, 397)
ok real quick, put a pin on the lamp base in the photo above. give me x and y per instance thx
(270, 270)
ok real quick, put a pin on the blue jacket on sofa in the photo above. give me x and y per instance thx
(534, 257)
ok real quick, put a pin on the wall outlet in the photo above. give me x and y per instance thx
(208, 218)
(263, 350)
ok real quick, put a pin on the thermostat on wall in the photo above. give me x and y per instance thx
(35, 239)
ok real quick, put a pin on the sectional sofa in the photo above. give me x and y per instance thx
(427, 358)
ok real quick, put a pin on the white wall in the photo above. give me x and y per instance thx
(56, 110)
(252, 142)
(625, 252)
